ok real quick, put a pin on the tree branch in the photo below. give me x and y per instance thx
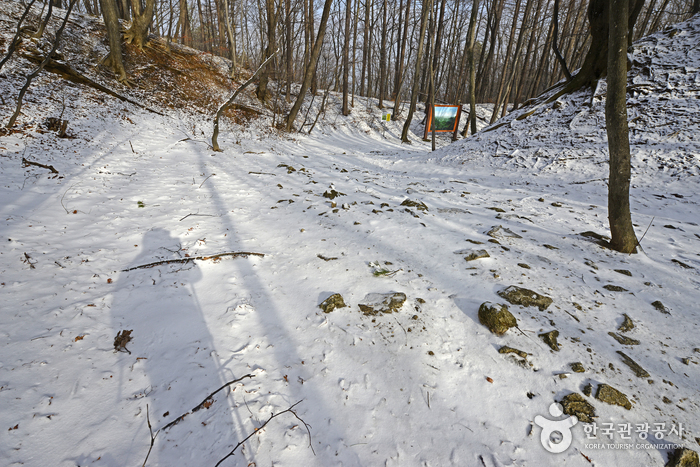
(258, 430)
(201, 258)
(204, 402)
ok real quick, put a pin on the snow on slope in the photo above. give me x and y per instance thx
(423, 386)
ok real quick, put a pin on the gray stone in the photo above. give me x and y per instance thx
(612, 396)
(376, 303)
(525, 297)
(496, 317)
(332, 302)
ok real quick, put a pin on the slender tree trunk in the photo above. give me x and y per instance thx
(621, 229)
(290, 39)
(414, 91)
(472, 67)
(354, 48)
(311, 68)
(231, 39)
(382, 59)
(504, 73)
(261, 90)
(400, 72)
(346, 58)
(555, 38)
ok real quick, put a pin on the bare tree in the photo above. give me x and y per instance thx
(114, 60)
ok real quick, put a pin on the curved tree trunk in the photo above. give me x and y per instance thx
(110, 15)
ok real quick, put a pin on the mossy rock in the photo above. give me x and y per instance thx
(550, 338)
(575, 404)
(524, 297)
(376, 303)
(332, 194)
(332, 302)
(505, 350)
(577, 367)
(415, 204)
(624, 340)
(624, 272)
(597, 236)
(477, 254)
(634, 366)
(612, 396)
(497, 209)
(496, 317)
(587, 390)
(614, 288)
(683, 457)
(660, 307)
(627, 324)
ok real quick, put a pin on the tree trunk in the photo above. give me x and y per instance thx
(261, 91)
(346, 58)
(382, 59)
(504, 73)
(138, 32)
(400, 68)
(231, 39)
(621, 229)
(109, 13)
(419, 53)
(290, 38)
(555, 38)
(311, 68)
(472, 68)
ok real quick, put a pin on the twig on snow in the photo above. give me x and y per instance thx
(204, 402)
(200, 185)
(153, 437)
(196, 214)
(201, 258)
(26, 162)
(258, 430)
(639, 242)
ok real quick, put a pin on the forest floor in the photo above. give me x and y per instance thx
(344, 210)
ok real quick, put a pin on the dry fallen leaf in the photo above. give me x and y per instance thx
(79, 338)
(109, 281)
(489, 379)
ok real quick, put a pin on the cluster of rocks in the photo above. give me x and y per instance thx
(373, 303)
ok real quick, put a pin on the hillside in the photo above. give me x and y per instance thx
(348, 210)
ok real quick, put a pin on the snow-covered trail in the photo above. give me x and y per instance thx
(402, 389)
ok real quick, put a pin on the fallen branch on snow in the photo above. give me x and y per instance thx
(26, 162)
(258, 430)
(201, 258)
(204, 404)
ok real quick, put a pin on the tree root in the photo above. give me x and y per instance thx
(201, 258)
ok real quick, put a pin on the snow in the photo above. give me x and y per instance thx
(423, 386)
